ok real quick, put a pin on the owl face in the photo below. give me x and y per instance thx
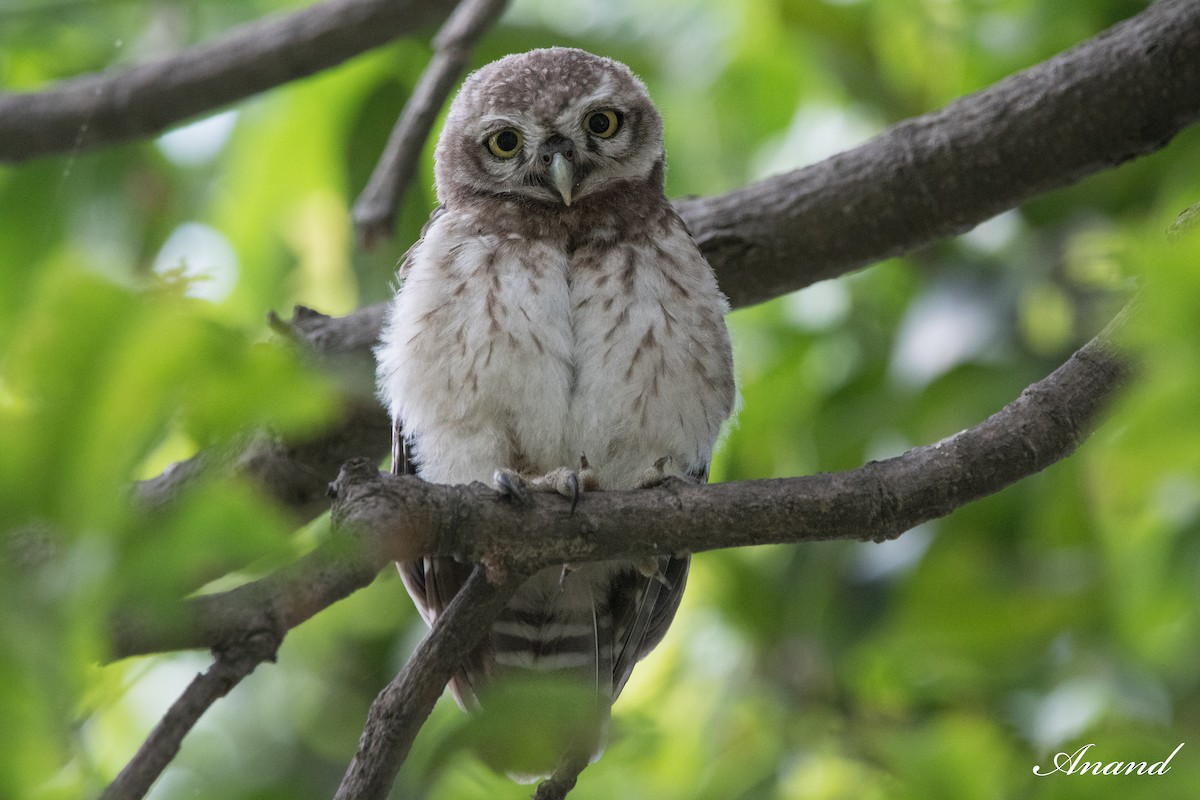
(555, 126)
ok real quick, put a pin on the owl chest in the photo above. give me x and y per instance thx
(529, 317)
(543, 323)
(547, 353)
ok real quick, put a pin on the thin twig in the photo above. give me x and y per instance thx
(376, 208)
(162, 745)
(402, 707)
(144, 100)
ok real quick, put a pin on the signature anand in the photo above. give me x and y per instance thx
(1074, 764)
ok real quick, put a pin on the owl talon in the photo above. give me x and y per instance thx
(567, 482)
(654, 475)
(572, 482)
(589, 481)
(511, 485)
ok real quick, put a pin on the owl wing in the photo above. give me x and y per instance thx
(407, 259)
(432, 584)
(643, 608)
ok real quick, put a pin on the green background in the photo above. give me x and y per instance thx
(134, 283)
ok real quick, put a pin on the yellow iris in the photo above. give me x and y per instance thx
(505, 143)
(602, 122)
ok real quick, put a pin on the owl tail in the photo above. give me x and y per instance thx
(548, 685)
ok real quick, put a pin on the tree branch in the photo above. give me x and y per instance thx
(162, 745)
(877, 501)
(375, 211)
(560, 784)
(272, 605)
(402, 707)
(146, 99)
(1121, 94)
(402, 517)
(381, 517)
(296, 473)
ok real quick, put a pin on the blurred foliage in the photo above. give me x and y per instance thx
(1062, 611)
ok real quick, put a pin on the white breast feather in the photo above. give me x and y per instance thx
(497, 342)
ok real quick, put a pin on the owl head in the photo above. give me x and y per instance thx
(555, 126)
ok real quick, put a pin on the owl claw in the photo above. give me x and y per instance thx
(588, 479)
(654, 475)
(564, 481)
(572, 482)
(510, 484)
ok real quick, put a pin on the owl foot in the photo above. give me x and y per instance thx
(510, 484)
(563, 480)
(654, 475)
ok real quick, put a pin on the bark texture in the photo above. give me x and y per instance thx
(146, 99)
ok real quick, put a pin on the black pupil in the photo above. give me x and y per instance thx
(599, 123)
(506, 141)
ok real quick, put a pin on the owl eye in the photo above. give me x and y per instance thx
(505, 143)
(603, 122)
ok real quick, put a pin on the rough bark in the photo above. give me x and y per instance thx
(1119, 95)
(146, 99)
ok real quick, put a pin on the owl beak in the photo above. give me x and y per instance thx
(562, 175)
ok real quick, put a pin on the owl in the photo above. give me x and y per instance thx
(556, 329)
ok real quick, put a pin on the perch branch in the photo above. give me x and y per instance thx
(402, 517)
(146, 99)
(376, 208)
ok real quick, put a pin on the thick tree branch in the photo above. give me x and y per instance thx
(375, 211)
(397, 518)
(402, 707)
(1121, 94)
(146, 99)
(162, 745)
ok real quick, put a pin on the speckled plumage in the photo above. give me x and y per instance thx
(542, 317)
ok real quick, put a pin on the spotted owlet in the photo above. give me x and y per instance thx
(556, 307)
